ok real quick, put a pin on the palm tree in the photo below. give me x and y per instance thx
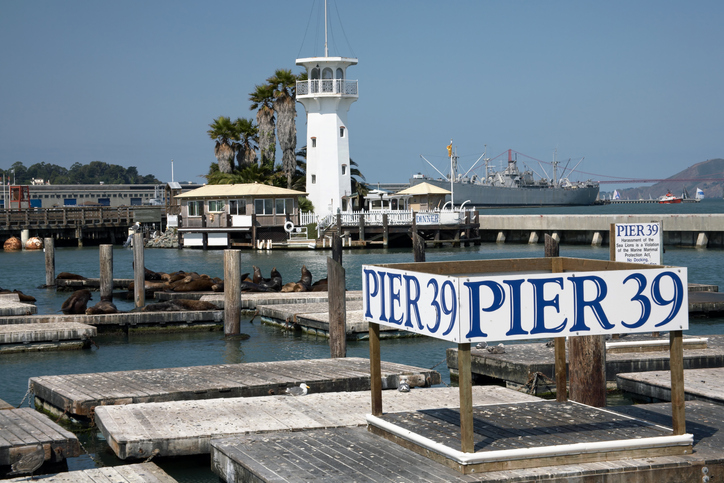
(357, 179)
(249, 138)
(225, 133)
(285, 87)
(262, 99)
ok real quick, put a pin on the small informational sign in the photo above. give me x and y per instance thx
(638, 243)
(520, 306)
(172, 220)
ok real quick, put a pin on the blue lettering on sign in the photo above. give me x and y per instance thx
(580, 304)
(369, 275)
(394, 296)
(540, 303)
(411, 303)
(641, 299)
(676, 299)
(516, 325)
(498, 298)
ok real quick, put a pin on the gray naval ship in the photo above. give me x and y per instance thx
(512, 187)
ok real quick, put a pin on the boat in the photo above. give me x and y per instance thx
(668, 198)
(699, 194)
(511, 187)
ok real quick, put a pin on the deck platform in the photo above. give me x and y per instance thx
(23, 429)
(252, 300)
(5, 406)
(316, 455)
(42, 337)
(699, 384)
(187, 427)
(10, 304)
(90, 284)
(706, 303)
(521, 361)
(138, 473)
(313, 318)
(79, 394)
(124, 321)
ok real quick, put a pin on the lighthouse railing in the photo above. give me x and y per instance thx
(315, 87)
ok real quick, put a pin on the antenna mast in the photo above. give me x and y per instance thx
(326, 50)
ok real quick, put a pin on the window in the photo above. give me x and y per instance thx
(237, 207)
(284, 206)
(195, 208)
(314, 142)
(314, 178)
(216, 205)
(264, 206)
(341, 131)
(344, 169)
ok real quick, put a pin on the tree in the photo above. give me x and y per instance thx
(285, 87)
(248, 142)
(357, 180)
(262, 99)
(225, 133)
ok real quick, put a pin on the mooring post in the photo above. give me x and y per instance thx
(418, 243)
(385, 230)
(106, 277)
(49, 247)
(337, 248)
(232, 292)
(139, 284)
(465, 381)
(552, 250)
(676, 364)
(337, 309)
(375, 369)
(361, 227)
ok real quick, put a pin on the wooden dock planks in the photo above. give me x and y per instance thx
(137, 473)
(24, 428)
(251, 300)
(187, 427)
(699, 384)
(78, 394)
(126, 319)
(52, 336)
(10, 305)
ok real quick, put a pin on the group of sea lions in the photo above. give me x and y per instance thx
(274, 283)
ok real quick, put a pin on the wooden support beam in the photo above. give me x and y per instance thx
(139, 288)
(465, 381)
(552, 249)
(375, 369)
(676, 363)
(49, 247)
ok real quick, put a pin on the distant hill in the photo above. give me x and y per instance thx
(712, 168)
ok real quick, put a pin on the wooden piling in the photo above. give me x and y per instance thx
(139, 292)
(49, 247)
(106, 275)
(361, 227)
(676, 364)
(232, 292)
(337, 309)
(337, 248)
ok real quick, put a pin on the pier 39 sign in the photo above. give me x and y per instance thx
(519, 305)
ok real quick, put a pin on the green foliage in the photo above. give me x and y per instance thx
(91, 173)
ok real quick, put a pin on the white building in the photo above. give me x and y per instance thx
(326, 96)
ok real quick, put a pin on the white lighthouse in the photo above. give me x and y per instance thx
(326, 96)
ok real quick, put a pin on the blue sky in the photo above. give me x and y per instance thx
(634, 87)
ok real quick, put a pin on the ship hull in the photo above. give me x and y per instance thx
(485, 195)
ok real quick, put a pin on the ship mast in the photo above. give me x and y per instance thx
(326, 49)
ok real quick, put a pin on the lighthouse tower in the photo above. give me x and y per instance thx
(326, 96)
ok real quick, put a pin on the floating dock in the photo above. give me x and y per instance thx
(10, 305)
(521, 362)
(138, 473)
(699, 384)
(90, 284)
(252, 300)
(42, 337)
(23, 430)
(187, 319)
(77, 395)
(187, 427)
(310, 455)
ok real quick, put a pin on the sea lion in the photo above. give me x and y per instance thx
(293, 287)
(190, 304)
(256, 278)
(23, 297)
(254, 287)
(320, 285)
(151, 275)
(306, 279)
(197, 285)
(173, 277)
(76, 303)
(102, 307)
(275, 282)
(69, 276)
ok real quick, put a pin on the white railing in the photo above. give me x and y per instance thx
(313, 87)
(394, 217)
(307, 217)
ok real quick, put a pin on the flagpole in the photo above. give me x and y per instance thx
(452, 179)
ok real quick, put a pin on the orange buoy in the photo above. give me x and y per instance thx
(34, 243)
(12, 244)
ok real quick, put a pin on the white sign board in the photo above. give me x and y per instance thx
(520, 306)
(427, 218)
(638, 243)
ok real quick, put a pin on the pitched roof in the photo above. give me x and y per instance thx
(424, 189)
(235, 190)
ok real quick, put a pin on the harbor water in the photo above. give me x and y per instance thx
(25, 271)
